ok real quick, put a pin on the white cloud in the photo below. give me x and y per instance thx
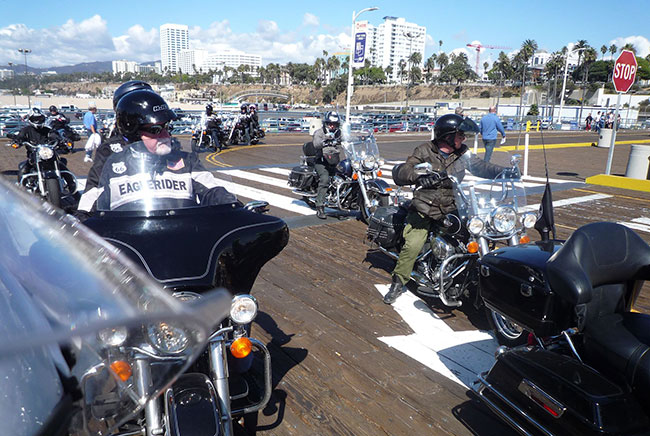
(310, 20)
(640, 43)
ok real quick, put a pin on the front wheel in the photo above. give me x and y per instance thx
(506, 331)
(53, 194)
(376, 199)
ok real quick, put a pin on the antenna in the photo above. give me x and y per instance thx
(546, 222)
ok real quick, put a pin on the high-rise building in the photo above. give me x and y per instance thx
(173, 39)
(191, 61)
(392, 41)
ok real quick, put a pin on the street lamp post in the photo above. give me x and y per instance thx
(410, 36)
(566, 67)
(351, 59)
(13, 76)
(25, 51)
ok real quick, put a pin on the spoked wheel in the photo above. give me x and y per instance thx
(507, 332)
(377, 200)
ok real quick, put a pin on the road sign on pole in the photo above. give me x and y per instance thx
(623, 78)
(624, 71)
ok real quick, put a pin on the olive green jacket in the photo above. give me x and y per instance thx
(438, 202)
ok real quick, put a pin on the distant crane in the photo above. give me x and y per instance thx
(478, 48)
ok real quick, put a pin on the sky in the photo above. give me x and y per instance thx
(65, 32)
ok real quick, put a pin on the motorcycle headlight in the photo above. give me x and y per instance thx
(369, 163)
(45, 153)
(475, 225)
(113, 337)
(504, 219)
(167, 338)
(529, 220)
(243, 309)
(440, 248)
(356, 165)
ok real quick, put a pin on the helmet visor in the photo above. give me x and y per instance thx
(468, 127)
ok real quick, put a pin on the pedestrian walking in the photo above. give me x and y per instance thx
(489, 126)
(588, 122)
(94, 139)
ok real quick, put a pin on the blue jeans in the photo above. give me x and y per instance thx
(489, 147)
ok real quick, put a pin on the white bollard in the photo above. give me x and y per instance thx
(526, 142)
(475, 144)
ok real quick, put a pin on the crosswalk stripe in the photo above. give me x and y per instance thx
(275, 170)
(254, 177)
(570, 201)
(277, 200)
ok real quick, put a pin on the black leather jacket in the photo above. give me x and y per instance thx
(438, 202)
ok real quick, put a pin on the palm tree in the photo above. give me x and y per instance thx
(388, 71)
(613, 49)
(443, 60)
(528, 49)
(629, 46)
(429, 66)
(439, 46)
(402, 70)
(603, 50)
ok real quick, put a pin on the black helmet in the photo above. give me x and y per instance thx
(243, 108)
(126, 87)
(208, 109)
(141, 107)
(36, 117)
(54, 109)
(452, 123)
(332, 118)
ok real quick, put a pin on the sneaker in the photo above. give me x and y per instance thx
(88, 159)
(396, 289)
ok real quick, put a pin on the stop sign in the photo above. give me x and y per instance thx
(624, 71)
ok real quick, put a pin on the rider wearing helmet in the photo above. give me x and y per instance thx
(211, 123)
(142, 118)
(244, 119)
(35, 132)
(57, 122)
(328, 137)
(434, 197)
(254, 121)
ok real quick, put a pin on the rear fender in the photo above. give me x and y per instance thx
(192, 407)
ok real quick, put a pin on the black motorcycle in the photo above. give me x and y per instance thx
(356, 184)
(202, 139)
(257, 134)
(188, 254)
(45, 173)
(65, 139)
(586, 367)
(237, 130)
(87, 337)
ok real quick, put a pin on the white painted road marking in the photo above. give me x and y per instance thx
(640, 224)
(570, 201)
(459, 356)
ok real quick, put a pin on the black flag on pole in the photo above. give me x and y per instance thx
(546, 223)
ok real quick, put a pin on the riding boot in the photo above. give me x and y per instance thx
(320, 212)
(396, 289)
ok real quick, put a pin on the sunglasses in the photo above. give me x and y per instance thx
(154, 129)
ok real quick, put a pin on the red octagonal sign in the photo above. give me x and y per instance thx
(624, 71)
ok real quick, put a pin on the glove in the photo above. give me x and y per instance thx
(503, 141)
(511, 173)
(428, 182)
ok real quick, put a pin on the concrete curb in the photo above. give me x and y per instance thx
(619, 182)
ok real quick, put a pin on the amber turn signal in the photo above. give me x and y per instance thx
(241, 347)
(14, 145)
(524, 239)
(355, 176)
(379, 173)
(121, 369)
(472, 247)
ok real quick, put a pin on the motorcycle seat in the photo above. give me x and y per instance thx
(597, 254)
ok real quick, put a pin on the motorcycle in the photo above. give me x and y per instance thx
(237, 127)
(45, 173)
(257, 134)
(65, 137)
(356, 184)
(186, 253)
(202, 140)
(489, 212)
(585, 368)
(79, 320)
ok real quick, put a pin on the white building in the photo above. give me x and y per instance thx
(173, 39)
(192, 60)
(124, 66)
(233, 59)
(6, 74)
(539, 60)
(393, 40)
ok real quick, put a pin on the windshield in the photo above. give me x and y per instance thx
(480, 197)
(64, 291)
(138, 180)
(359, 145)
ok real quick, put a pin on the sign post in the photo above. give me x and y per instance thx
(357, 52)
(623, 77)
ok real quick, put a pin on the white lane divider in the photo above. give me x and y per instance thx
(260, 178)
(639, 224)
(459, 356)
(570, 201)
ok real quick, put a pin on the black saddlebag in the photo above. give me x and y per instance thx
(386, 225)
(303, 177)
(513, 282)
(560, 395)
